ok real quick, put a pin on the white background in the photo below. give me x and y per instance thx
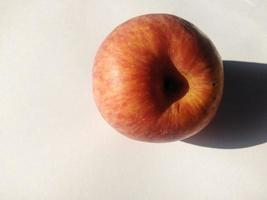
(55, 145)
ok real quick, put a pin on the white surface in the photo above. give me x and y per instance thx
(54, 144)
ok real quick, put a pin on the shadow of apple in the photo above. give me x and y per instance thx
(241, 120)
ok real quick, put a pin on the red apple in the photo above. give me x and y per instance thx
(157, 78)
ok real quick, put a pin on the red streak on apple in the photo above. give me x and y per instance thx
(157, 78)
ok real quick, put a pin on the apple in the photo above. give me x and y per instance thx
(157, 78)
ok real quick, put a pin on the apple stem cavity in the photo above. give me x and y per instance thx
(174, 84)
(174, 88)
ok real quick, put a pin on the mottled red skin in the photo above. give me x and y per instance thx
(128, 71)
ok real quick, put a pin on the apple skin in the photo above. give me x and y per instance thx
(157, 78)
